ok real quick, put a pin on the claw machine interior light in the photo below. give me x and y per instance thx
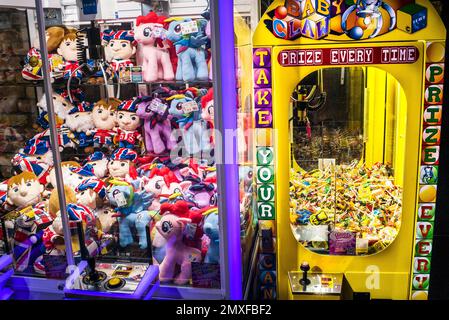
(350, 94)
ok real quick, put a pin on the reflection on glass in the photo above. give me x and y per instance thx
(347, 157)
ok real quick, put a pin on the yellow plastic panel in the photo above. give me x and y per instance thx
(397, 258)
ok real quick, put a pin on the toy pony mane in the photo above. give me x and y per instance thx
(151, 17)
(180, 208)
(166, 173)
(207, 98)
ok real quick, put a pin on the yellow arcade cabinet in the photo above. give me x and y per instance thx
(347, 106)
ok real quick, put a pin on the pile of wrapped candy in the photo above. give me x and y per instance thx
(122, 172)
(349, 198)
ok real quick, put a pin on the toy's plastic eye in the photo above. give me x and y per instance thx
(178, 28)
(82, 193)
(133, 118)
(179, 106)
(111, 114)
(166, 226)
(112, 162)
(122, 164)
(64, 104)
(16, 189)
(28, 184)
(93, 164)
(54, 98)
(111, 44)
(67, 44)
(213, 200)
(120, 117)
(80, 178)
(124, 45)
(146, 32)
(100, 111)
(38, 158)
(157, 186)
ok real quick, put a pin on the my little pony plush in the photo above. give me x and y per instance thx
(131, 208)
(174, 219)
(202, 195)
(212, 231)
(185, 110)
(151, 50)
(189, 47)
(163, 183)
(157, 128)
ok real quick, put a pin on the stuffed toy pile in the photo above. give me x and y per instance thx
(128, 165)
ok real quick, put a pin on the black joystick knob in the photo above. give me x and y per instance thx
(304, 268)
(94, 275)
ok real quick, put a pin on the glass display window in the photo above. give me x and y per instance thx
(347, 144)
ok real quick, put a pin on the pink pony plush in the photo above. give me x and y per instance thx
(174, 219)
(163, 183)
(152, 51)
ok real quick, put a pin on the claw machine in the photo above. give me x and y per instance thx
(349, 95)
(143, 197)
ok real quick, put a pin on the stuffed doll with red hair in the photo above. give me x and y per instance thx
(152, 50)
(175, 218)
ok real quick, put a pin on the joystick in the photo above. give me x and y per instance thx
(304, 268)
(93, 274)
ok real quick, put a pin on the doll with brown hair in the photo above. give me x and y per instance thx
(104, 116)
(68, 50)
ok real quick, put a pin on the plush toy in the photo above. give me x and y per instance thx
(207, 112)
(128, 135)
(122, 164)
(24, 190)
(209, 36)
(73, 174)
(185, 110)
(35, 157)
(174, 219)
(68, 50)
(107, 217)
(61, 105)
(151, 50)
(189, 39)
(80, 122)
(27, 239)
(104, 116)
(33, 60)
(157, 128)
(54, 235)
(163, 183)
(91, 193)
(202, 195)
(122, 47)
(212, 231)
(132, 209)
(97, 162)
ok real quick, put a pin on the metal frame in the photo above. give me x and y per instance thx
(53, 131)
(225, 97)
(222, 21)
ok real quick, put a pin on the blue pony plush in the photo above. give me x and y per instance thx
(211, 229)
(131, 208)
(193, 130)
(190, 48)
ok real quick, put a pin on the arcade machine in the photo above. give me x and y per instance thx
(348, 95)
(128, 184)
